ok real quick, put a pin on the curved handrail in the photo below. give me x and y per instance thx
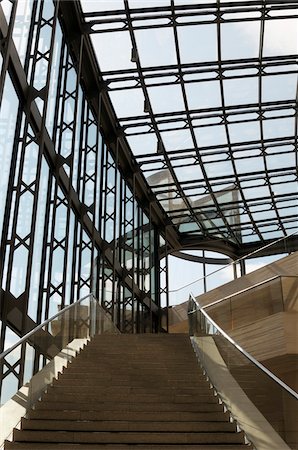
(245, 353)
(40, 326)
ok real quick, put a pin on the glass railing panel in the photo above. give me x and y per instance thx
(276, 401)
(67, 331)
(247, 306)
(290, 293)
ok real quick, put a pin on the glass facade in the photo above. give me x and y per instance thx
(70, 223)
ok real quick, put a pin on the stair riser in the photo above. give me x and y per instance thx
(148, 416)
(43, 425)
(127, 390)
(128, 438)
(112, 406)
(32, 446)
(130, 398)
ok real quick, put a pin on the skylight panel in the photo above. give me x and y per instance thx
(276, 128)
(197, 43)
(248, 165)
(143, 144)
(156, 47)
(150, 4)
(280, 161)
(102, 5)
(203, 95)
(177, 139)
(128, 103)
(166, 98)
(241, 91)
(240, 40)
(281, 37)
(190, 172)
(279, 87)
(113, 50)
(209, 136)
(219, 169)
(244, 131)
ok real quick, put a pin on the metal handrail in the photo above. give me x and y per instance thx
(40, 326)
(245, 353)
(234, 294)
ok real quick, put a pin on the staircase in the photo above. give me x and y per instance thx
(130, 392)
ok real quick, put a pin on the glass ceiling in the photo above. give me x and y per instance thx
(206, 93)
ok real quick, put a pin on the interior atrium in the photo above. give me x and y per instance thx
(135, 134)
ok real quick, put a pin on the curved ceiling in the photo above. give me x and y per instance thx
(206, 93)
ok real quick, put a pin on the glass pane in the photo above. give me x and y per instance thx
(143, 144)
(241, 91)
(166, 99)
(113, 52)
(203, 95)
(240, 40)
(278, 128)
(208, 136)
(128, 103)
(176, 140)
(281, 37)
(279, 87)
(205, 35)
(245, 131)
(21, 27)
(156, 47)
(8, 115)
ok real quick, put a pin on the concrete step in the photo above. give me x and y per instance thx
(145, 416)
(125, 425)
(127, 437)
(118, 406)
(111, 382)
(49, 446)
(130, 390)
(91, 398)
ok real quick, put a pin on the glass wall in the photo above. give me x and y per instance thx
(70, 223)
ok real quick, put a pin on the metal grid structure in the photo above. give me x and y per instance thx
(70, 222)
(206, 94)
